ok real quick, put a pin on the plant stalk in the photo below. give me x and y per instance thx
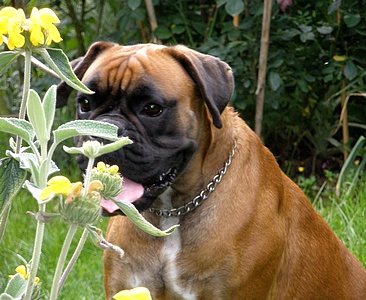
(25, 96)
(88, 174)
(42, 207)
(73, 259)
(36, 255)
(61, 261)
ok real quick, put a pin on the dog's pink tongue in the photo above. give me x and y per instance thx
(130, 193)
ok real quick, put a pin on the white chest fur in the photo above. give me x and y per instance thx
(170, 253)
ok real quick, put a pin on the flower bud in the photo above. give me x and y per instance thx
(91, 148)
(83, 210)
(110, 178)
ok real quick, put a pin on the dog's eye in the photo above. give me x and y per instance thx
(84, 105)
(152, 110)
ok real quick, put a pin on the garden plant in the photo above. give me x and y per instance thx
(77, 204)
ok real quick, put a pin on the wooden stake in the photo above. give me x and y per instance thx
(266, 23)
(152, 19)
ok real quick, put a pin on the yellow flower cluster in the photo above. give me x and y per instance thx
(61, 185)
(101, 166)
(111, 179)
(40, 27)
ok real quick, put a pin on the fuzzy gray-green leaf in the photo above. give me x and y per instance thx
(36, 117)
(85, 127)
(132, 213)
(49, 107)
(58, 61)
(18, 127)
(6, 58)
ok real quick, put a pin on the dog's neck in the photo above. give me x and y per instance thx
(200, 198)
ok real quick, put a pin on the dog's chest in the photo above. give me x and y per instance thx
(170, 254)
(165, 274)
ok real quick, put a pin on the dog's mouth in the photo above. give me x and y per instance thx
(139, 194)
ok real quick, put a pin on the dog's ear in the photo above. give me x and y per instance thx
(80, 65)
(214, 78)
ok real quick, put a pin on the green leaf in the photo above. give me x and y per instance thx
(49, 107)
(133, 4)
(28, 162)
(303, 85)
(234, 7)
(334, 6)
(100, 150)
(58, 61)
(12, 178)
(85, 127)
(132, 213)
(5, 296)
(356, 150)
(325, 29)
(178, 29)
(352, 20)
(111, 147)
(162, 33)
(18, 127)
(34, 190)
(221, 3)
(36, 117)
(274, 80)
(6, 58)
(309, 78)
(16, 287)
(350, 70)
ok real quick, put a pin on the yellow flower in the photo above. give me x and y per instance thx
(12, 22)
(57, 185)
(301, 169)
(139, 293)
(23, 273)
(101, 166)
(39, 25)
(94, 186)
(74, 192)
(42, 21)
(113, 169)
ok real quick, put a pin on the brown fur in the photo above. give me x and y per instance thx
(257, 235)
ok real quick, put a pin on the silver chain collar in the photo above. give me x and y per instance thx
(200, 198)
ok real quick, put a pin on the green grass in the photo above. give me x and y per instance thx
(345, 216)
(86, 278)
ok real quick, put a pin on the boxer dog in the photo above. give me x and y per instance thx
(246, 231)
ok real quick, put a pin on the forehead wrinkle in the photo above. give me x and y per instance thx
(119, 70)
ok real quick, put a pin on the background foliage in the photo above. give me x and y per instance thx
(316, 52)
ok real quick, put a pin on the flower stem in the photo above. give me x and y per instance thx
(42, 207)
(61, 261)
(26, 88)
(88, 173)
(36, 255)
(73, 259)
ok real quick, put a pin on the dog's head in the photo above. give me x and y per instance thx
(156, 96)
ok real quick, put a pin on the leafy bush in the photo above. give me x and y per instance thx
(315, 53)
